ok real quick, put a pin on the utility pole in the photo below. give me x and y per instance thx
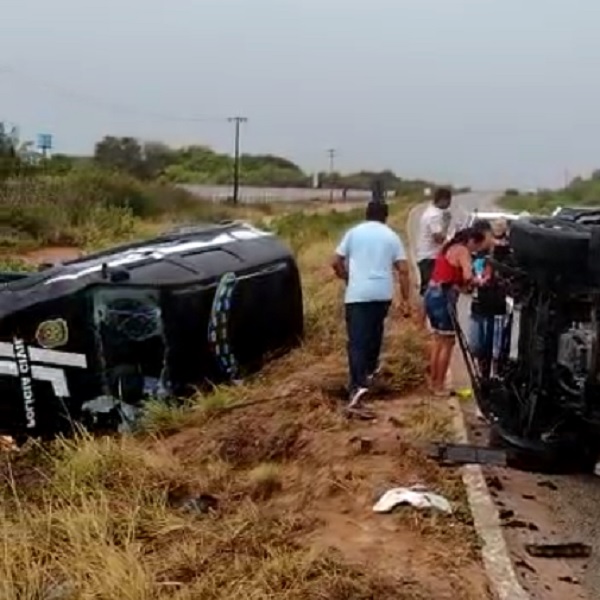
(331, 152)
(236, 157)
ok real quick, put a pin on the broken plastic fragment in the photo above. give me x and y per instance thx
(415, 496)
(102, 404)
(106, 405)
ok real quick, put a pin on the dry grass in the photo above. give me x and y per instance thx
(281, 494)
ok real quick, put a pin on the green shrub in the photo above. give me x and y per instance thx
(88, 206)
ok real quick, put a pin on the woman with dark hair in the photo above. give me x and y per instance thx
(452, 273)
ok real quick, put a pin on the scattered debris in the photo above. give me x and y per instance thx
(494, 483)
(452, 454)
(569, 579)
(365, 445)
(566, 550)
(202, 504)
(523, 564)
(547, 484)
(416, 496)
(506, 513)
(519, 524)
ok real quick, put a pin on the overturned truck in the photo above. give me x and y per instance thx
(88, 341)
(542, 397)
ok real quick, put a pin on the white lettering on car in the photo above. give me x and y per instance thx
(16, 361)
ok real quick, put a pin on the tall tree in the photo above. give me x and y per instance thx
(120, 153)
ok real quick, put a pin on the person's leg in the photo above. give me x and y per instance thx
(444, 355)
(478, 340)
(499, 333)
(476, 335)
(433, 302)
(425, 267)
(441, 305)
(358, 339)
(377, 315)
(436, 344)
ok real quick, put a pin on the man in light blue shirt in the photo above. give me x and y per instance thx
(366, 260)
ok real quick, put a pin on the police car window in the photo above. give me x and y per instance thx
(130, 340)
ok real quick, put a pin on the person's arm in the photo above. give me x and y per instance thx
(338, 263)
(403, 273)
(438, 226)
(464, 260)
(401, 267)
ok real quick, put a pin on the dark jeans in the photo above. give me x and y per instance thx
(364, 323)
(425, 270)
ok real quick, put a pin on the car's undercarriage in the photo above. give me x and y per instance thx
(542, 395)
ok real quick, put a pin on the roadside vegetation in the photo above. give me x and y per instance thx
(91, 208)
(580, 192)
(259, 491)
(195, 164)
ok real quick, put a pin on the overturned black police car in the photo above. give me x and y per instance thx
(88, 341)
(543, 395)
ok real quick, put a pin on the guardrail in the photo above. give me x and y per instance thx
(254, 195)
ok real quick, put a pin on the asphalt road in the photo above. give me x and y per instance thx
(540, 508)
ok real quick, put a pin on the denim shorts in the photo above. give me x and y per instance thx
(440, 307)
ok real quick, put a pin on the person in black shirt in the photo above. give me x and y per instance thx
(488, 307)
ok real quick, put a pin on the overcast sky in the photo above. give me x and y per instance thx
(488, 92)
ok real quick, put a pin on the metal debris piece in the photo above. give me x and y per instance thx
(453, 454)
(365, 445)
(202, 504)
(520, 524)
(566, 550)
(569, 579)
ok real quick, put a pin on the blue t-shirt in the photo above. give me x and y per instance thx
(370, 250)
(479, 263)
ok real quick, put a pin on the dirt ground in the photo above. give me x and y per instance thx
(331, 470)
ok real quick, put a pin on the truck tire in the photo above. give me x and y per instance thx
(551, 248)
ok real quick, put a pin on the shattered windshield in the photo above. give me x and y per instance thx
(130, 340)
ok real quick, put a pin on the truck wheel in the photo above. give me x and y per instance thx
(551, 248)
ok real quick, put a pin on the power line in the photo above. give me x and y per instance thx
(104, 104)
(236, 158)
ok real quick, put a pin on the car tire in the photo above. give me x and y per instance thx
(552, 248)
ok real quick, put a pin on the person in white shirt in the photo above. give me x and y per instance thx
(434, 230)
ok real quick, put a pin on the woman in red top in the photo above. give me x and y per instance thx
(452, 273)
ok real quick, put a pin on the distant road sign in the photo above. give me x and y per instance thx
(44, 141)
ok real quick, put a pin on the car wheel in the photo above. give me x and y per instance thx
(551, 248)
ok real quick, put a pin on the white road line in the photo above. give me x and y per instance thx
(496, 557)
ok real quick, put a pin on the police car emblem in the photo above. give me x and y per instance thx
(52, 334)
